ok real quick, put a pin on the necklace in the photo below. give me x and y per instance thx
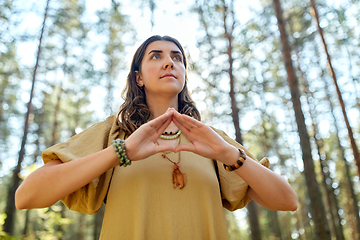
(171, 137)
(179, 178)
(171, 133)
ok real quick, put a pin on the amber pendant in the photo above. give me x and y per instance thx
(179, 178)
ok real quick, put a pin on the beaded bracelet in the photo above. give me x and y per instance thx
(238, 163)
(119, 145)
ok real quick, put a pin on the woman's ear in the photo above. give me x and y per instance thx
(139, 80)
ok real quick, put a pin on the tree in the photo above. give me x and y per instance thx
(10, 73)
(10, 203)
(223, 32)
(327, 180)
(115, 25)
(317, 207)
(341, 156)
(333, 75)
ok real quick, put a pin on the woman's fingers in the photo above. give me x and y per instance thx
(192, 128)
(185, 147)
(157, 122)
(163, 148)
(162, 127)
(185, 120)
(184, 129)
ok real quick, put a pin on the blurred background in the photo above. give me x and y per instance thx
(280, 77)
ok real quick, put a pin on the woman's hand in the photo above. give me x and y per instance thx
(142, 143)
(205, 141)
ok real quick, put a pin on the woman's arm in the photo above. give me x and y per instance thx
(266, 187)
(55, 180)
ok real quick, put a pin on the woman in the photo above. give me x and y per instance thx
(182, 172)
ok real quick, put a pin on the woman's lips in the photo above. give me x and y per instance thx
(168, 75)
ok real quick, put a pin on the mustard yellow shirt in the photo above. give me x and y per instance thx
(141, 202)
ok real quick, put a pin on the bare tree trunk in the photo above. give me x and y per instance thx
(234, 107)
(39, 131)
(327, 181)
(357, 95)
(76, 117)
(55, 135)
(36, 154)
(10, 203)
(26, 228)
(353, 197)
(109, 97)
(81, 226)
(326, 178)
(54, 140)
(334, 208)
(3, 86)
(272, 216)
(253, 220)
(299, 224)
(251, 206)
(60, 227)
(350, 133)
(322, 230)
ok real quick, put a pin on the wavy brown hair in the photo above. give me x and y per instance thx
(134, 111)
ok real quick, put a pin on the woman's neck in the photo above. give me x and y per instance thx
(159, 106)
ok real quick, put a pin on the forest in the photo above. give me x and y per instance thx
(279, 76)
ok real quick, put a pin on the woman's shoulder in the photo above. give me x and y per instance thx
(94, 138)
(108, 122)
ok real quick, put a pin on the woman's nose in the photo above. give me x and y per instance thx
(168, 63)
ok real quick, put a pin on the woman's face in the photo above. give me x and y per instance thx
(162, 69)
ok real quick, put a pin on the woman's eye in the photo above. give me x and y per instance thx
(155, 56)
(178, 58)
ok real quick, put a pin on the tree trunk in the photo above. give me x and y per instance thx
(272, 216)
(326, 178)
(55, 135)
(299, 224)
(3, 86)
(109, 97)
(81, 226)
(251, 206)
(303, 205)
(322, 230)
(333, 75)
(274, 225)
(39, 120)
(253, 220)
(27, 221)
(356, 91)
(10, 203)
(353, 197)
(331, 197)
(59, 226)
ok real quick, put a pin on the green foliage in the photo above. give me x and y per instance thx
(115, 25)
(4, 235)
(10, 74)
(233, 227)
(52, 218)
